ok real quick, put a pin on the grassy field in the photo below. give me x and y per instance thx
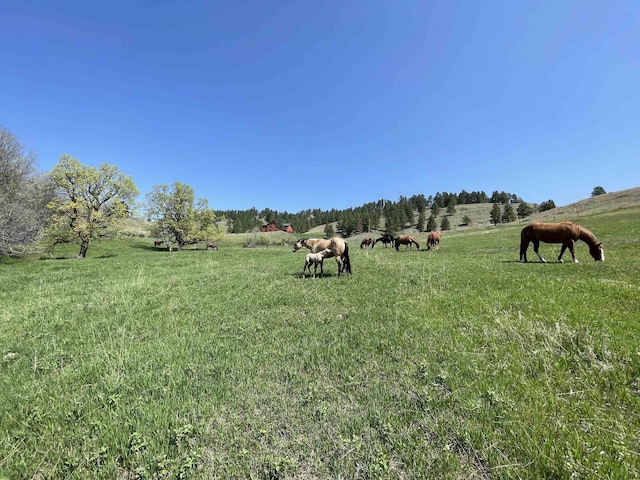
(458, 363)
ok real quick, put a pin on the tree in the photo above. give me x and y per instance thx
(178, 217)
(88, 201)
(524, 210)
(24, 195)
(451, 205)
(496, 214)
(508, 215)
(444, 224)
(421, 220)
(466, 220)
(548, 205)
(597, 191)
(329, 231)
(431, 224)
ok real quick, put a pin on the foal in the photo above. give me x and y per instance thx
(315, 259)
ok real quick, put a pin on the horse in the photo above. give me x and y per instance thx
(316, 259)
(433, 240)
(212, 246)
(566, 233)
(157, 243)
(386, 239)
(406, 240)
(339, 249)
(367, 242)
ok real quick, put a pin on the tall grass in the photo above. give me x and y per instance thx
(139, 363)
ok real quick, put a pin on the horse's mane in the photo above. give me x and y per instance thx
(586, 236)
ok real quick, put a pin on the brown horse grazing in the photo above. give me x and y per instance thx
(433, 240)
(566, 233)
(212, 245)
(339, 249)
(386, 239)
(406, 240)
(367, 242)
(157, 243)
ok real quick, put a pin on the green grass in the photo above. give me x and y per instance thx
(459, 363)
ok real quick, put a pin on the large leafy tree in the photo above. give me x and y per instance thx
(24, 195)
(597, 191)
(88, 201)
(178, 217)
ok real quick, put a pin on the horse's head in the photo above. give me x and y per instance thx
(597, 252)
(298, 245)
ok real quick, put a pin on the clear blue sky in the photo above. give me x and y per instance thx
(330, 104)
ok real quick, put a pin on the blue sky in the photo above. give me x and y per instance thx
(291, 105)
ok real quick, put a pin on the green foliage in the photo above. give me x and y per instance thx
(432, 226)
(548, 205)
(179, 218)
(496, 214)
(597, 191)
(508, 214)
(466, 220)
(444, 223)
(421, 220)
(524, 210)
(89, 202)
(329, 231)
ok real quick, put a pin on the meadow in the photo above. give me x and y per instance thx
(455, 363)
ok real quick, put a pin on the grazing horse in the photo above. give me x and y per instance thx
(157, 243)
(212, 245)
(407, 241)
(367, 242)
(339, 249)
(566, 233)
(316, 259)
(386, 239)
(433, 240)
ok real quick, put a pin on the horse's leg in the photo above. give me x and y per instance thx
(340, 264)
(569, 245)
(524, 245)
(536, 246)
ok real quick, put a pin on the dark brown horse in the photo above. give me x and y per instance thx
(566, 233)
(212, 246)
(367, 242)
(433, 240)
(157, 243)
(386, 240)
(407, 241)
(339, 249)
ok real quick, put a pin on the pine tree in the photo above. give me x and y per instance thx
(496, 214)
(444, 224)
(508, 215)
(421, 220)
(329, 231)
(431, 224)
(524, 210)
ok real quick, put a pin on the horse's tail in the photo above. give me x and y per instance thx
(524, 242)
(345, 258)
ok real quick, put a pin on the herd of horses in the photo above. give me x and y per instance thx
(565, 233)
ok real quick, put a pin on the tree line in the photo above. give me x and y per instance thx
(76, 203)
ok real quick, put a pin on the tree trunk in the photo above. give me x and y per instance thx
(84, 246)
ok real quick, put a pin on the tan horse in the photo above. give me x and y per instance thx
(433, 240)
(406, 240)
(338, 247)
(566, 233)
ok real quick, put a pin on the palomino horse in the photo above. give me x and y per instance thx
(407, 241)
(316, 259)
(433, 240)
(386, 239)
(367, 242)
(566, 233)
(339, 249)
